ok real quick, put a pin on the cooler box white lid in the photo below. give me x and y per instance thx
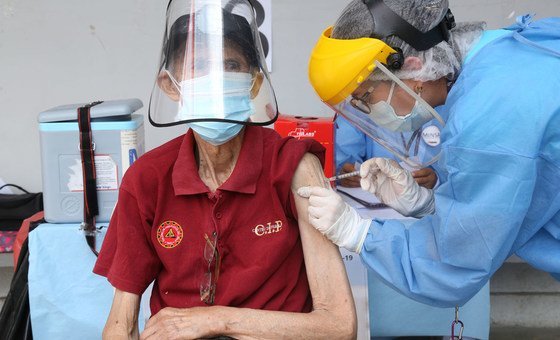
(106, 111)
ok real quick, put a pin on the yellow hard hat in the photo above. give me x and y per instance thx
(338, 66)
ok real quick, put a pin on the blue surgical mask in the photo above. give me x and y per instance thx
(228, 97)
(383, 114)
(216, 133)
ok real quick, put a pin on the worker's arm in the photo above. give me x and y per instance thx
(445, 258)
(123, 318)
(333, 315)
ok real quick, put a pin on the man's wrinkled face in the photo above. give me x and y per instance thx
(204, 60)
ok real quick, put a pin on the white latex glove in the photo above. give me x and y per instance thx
(335, 219)
(396, 187)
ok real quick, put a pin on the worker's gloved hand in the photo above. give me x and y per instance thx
(396, 187)
(335, 219)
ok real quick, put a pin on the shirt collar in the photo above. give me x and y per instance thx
(244, 177)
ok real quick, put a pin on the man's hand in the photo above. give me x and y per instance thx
(426, 177)
(351, 182)
(180, 323)
(396, 187)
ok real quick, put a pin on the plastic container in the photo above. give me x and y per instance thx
(118, 138)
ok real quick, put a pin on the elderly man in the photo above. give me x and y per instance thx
(211, 216)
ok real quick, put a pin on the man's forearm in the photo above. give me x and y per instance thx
(122, 322)
(120, 331)
(244, 323)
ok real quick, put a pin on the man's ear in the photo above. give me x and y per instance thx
(412, 64)
(166, 85)
(259, 78)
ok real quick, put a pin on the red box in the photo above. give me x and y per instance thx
(320, 129)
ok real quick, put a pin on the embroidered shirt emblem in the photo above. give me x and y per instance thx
(169, 234)
(269, 228)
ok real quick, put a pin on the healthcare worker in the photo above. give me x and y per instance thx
(499, 167)
(391, 314)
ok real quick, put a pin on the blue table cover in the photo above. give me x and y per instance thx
(67, 301)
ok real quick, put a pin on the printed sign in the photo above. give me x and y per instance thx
(106, 173)
(131, 147)
(357, 276)
(263, 14)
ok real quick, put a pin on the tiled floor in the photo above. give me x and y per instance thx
(6, 273)
(525, 333)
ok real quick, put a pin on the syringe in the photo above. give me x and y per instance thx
(350, 174)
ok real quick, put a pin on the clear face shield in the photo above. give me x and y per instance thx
(212, 68)
(396, 117)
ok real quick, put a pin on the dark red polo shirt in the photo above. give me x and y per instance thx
(164, 210)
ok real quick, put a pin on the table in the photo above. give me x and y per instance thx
(392, 314)
(67, 301)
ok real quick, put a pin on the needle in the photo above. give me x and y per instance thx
(350, 174)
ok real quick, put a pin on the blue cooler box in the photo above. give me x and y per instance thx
(118, 138)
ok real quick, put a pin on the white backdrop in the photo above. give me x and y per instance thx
(59, 52)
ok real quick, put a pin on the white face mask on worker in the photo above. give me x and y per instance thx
(384, 115)
(421, 112)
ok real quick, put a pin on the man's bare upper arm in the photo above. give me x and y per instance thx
(308, 173)
(325, 269)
